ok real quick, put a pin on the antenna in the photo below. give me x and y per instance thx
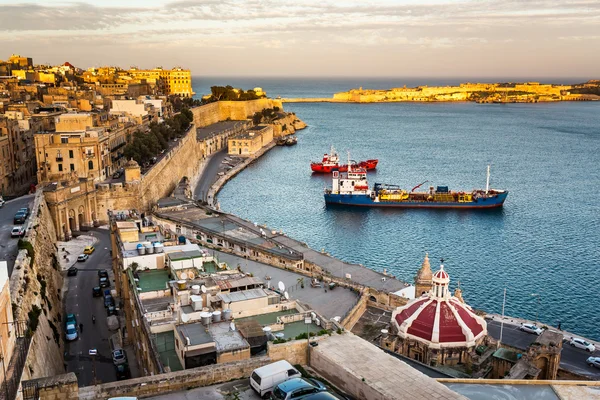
(281, 286)
(487, 183)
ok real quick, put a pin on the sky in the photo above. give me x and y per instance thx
(388, 38)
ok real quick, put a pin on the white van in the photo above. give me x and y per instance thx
(264, 379)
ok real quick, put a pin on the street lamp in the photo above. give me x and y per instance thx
(537, 312)
(502, 320)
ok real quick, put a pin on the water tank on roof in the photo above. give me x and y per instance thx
(181, 239)
(181, 284)
(158, 247)
(227, 314)
(141, 249)
(216, 316)
(196, 302)
(149, 249)
(205, 318)
(196, 289)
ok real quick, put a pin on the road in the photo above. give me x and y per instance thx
(571, 359)
(79, 301)
(209, 174)
(8, 245)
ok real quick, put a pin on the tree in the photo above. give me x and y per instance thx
(257, 118)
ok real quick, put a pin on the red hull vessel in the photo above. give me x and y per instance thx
(331, 162)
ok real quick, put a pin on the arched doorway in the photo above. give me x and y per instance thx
(81, 216)
(72, 224)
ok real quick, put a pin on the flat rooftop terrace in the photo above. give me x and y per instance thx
(224, 226)
(217, 128)
(153, 280)
(165, 344)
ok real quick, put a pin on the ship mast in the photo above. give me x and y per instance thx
(349, 165)
(487, 183)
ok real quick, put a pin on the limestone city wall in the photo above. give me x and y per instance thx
(45, 356)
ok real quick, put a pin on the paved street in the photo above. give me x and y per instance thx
(572, 359)
(79, 301)
(209, 174)
(8, 245)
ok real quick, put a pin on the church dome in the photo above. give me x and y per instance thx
(439, 319)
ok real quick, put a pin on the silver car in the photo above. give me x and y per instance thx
(531, 328)
(593, 362)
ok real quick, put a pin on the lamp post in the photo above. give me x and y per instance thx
(502, 320)
(537, 311)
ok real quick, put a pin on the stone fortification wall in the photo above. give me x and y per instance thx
(234, 110)
(357, 311)
(35, 284)
(162, 179)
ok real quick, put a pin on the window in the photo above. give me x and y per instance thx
(90, 164)
(70, 153)
(72, 167)
(59, 167)
(64, 139)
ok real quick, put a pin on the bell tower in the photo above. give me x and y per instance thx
(423, 283)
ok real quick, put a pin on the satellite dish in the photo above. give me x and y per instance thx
(184, 275)
(286, 295)
(203, 288)
(184, 317)
(281, 286)
(232, 326)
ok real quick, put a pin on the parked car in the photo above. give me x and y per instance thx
(118, 173)
(123, 373)
(25, 210)
(17, 231)
(71, 327)
(108, 299)
(264, 379)
(582, 344)
(20, 218)
(111, 310)
(97, 291)
(89, 250)
(103, 282)
(323, 396)
(153, 160)
(119, 356)
(297, 388)
(593, 362)
(2, 202)
(72, 271)
(103, 273)
(82, 257)
(531, 328)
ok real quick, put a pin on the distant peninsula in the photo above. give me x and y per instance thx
(508, 92)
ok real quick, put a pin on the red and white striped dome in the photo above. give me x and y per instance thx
(441, 276)
(439, 319)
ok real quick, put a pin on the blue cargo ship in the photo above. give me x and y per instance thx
(353, 190)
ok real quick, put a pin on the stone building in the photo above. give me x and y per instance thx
(17, 160)
(436, 328)
(249, 142)
(176, 81)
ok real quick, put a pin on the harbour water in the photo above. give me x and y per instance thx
(544, 240)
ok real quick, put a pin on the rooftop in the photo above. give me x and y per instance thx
(506, 354)
(226, 339)
(184, 255)
(153, 279)
(215, 129)
(165, 344)
(244, 295)
(196, 332)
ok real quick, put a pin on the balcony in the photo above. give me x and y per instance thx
(59, 159)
